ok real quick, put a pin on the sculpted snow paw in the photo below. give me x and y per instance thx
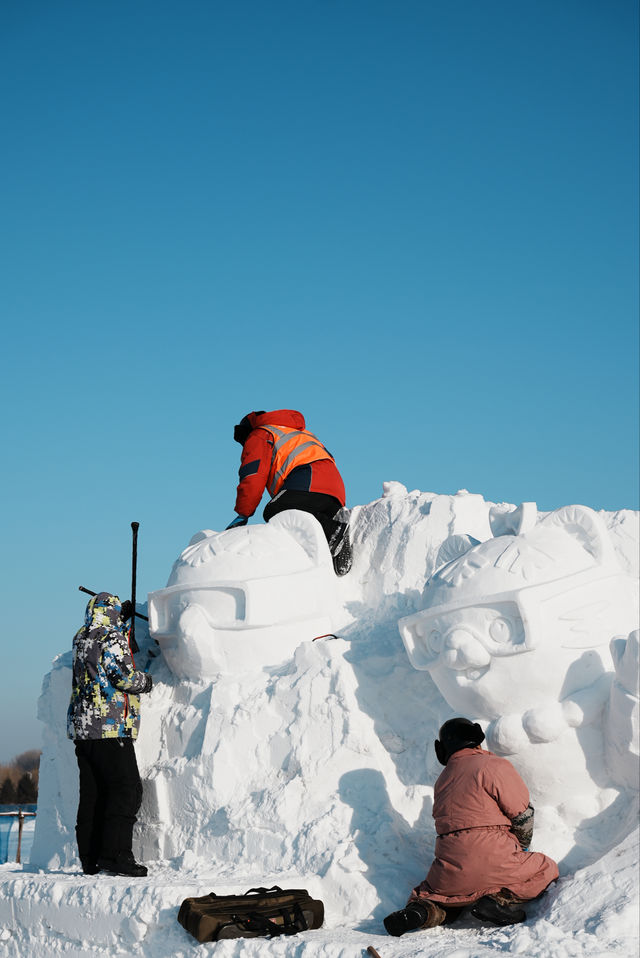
(626, 659)
(506, 736)
(622, 716)
(545, 724)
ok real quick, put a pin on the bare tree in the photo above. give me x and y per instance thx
(28, 761)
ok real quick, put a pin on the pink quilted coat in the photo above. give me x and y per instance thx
(475, 798)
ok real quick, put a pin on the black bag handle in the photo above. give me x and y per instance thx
(293, 922)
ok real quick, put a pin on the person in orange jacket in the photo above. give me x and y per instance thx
(280, 455)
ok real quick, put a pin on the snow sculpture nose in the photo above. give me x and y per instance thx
(463, 651)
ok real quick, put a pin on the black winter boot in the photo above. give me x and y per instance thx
(340, 544)
(417, 914)
(343, 560)
(123, 864)
(495, 912)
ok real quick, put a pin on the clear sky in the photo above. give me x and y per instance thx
(415, 221)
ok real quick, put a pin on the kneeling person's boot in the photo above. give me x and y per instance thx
(497, 912)
(417, 914)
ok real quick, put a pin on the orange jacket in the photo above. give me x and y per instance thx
(278, 444)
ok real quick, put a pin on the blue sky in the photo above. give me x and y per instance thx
(416, 222)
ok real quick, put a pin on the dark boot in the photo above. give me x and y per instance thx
(452, 913)
(123, 864)
(417, 914)
(506, 897)
(497, 912)
(343, 561)
(89, 866)
(340, 543)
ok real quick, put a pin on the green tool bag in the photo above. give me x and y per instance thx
(260, 912)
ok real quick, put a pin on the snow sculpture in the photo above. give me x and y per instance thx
(516, 632)
(311, 772)
(245, 598)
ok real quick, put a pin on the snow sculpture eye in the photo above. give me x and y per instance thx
(435, 641)
(501, 630)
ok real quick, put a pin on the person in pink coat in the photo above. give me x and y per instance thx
(484, 826)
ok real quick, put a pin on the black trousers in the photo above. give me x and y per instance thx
(110, 797)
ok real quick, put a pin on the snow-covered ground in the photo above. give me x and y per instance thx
(317, 771)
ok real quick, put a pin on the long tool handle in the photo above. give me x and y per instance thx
(134, 562)
(81, 588)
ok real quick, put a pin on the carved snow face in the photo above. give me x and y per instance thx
(244, 599)
(519, 620)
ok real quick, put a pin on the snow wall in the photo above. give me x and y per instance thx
(295, 758)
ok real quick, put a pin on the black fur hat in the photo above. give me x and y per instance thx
(456, 734)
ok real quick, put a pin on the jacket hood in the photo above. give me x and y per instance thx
(278, 417)
(103, 611)
(290, 418)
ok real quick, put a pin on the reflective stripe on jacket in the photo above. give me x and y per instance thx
(291, 448)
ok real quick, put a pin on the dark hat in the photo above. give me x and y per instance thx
(244, 427)
(456, 734)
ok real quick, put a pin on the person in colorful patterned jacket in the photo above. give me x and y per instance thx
(103, 721)
(279, 454)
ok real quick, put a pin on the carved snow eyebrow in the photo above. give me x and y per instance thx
(523, 562)
(464, 568)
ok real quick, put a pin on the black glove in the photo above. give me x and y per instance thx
(126, 610)
(238, 521)
(148, 685)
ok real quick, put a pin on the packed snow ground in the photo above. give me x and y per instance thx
(315, 773)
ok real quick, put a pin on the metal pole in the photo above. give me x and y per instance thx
(20, 821)
(134, 562)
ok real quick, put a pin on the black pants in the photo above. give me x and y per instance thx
(110, 797)
(319, 504)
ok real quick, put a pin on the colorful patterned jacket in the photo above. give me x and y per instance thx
(104, 697)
